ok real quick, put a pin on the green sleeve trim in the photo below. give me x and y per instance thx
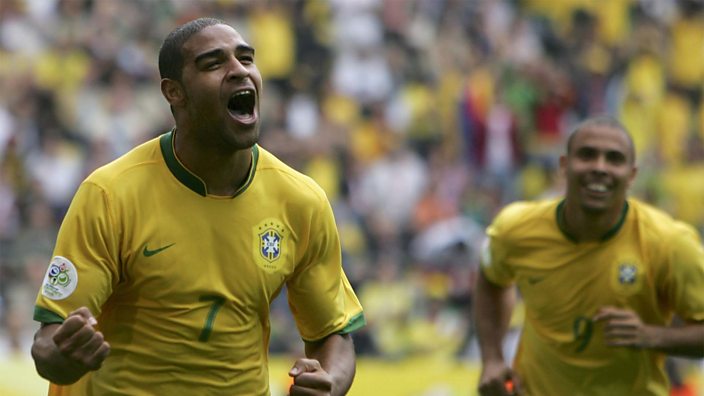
(45, 316)
(357, 322)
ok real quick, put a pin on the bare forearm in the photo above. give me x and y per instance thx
(685, 341)
(336, 356)
(493, 307)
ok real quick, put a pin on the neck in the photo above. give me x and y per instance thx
(222, 172)
(583, 226)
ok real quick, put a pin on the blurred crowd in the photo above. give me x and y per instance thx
(419, 118)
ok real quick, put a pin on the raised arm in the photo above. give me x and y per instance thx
(493, 307)
(328, 368)
(65, 352)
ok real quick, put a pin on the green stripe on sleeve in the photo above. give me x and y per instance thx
(45, 316)
(357, 322)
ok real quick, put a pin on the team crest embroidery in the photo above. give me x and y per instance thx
(627, 274)
(60, 280)
(270, 244)
(270, 247)
(627, 277)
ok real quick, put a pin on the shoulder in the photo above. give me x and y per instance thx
(657, 225)
(655, 219)
(279, 175)
(111, 174)
(521, 216)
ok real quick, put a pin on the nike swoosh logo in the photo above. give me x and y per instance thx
(148, 253)
(535, 279)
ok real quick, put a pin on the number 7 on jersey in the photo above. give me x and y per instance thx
(210, 319)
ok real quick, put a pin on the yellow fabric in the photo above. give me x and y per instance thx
(699, 119)
(612, 16)
(271, 29)
(388, 305)
(673, 124)
(420, 102)
(558, 12)
(652, 265)
(682, 185)
(181, 283)
(325, 171)
(533, 181)
(369, 141)
(641, 120)
(340, 109)
(645, 79)
(62, 71)
(645, 88)
(687, 52)
(400, 327)
(613, 20)
(447, 96)
(481, 87)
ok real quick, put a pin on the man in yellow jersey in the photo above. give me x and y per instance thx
(168, 258)
(601, 276)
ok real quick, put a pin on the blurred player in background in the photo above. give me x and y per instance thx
(169, 257)
(601, 276)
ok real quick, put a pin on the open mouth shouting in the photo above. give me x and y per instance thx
(242, 106)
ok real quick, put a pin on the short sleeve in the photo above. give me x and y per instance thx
(685, 282)
(495, 250)
(320, 296)
(84, 267)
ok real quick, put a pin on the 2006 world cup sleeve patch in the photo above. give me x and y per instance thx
(60, 280)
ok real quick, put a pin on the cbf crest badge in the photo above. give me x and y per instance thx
(627, 277)
(270, 242)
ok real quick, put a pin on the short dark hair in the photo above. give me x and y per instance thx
(603, 120)
(170, 54)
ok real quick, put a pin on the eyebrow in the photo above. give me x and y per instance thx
(218, 52)
(591, 149)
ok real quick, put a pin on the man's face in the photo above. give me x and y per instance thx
(599, 168)
(221, 85)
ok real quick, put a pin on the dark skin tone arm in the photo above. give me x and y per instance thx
(493, 308)
(624, 328)
(65, 352)
(327, 370)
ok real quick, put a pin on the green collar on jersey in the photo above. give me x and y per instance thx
(186, 177)
(560, 215)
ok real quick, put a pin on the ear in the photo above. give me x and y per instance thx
(173, 92)
(632, 177)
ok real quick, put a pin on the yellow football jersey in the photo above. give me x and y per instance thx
(648, 263)
(181, 281)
